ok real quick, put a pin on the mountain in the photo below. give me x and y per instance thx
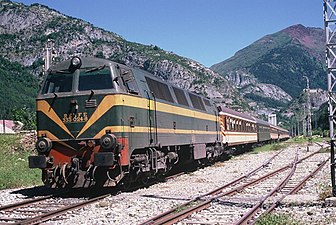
(270, 71)
(262, 78)
(26, 30)
(17, 88)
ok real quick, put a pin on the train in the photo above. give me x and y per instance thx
(102, 123)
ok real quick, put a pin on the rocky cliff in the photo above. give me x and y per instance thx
(25, 31)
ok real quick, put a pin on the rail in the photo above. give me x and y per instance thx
(204, 201)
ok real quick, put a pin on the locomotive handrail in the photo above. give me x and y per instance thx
(155, 119)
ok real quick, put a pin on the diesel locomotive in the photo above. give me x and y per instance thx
(101, 123)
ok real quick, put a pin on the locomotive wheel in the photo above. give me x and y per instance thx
(143, 180)
(126, 184)
(160, 177)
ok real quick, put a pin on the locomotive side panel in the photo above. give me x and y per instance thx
(175, 118)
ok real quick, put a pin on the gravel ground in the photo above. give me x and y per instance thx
(140, 205)
(306, 206)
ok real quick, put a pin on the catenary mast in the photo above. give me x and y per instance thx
(329, 7)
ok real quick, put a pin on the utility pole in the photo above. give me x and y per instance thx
(309, 127)
(329, 15)
(304, 122)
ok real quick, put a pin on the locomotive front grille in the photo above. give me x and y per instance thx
(92, 103)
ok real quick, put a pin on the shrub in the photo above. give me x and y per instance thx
(14, 164)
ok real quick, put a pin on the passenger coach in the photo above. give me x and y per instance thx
(237, 128)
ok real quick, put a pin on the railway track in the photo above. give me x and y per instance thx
(121, 206)
(41, 209)
(241, 195)
(35, 211)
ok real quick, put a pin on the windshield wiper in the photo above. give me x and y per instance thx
(91, 95)
(54, 99)
(95, 69)
(61, 71)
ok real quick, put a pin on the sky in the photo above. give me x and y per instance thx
(208, 31)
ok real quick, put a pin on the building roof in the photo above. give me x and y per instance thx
(9, 126)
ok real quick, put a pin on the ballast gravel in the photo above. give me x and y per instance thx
(138, 206)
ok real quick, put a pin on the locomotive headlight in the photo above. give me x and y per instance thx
(76, 63)
(108, 141)
(43, 145)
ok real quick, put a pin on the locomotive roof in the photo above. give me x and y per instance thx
(262, 122)
(227, 111)
(87, 61)
(277, 127)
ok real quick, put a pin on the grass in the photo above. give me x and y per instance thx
(301, 139)
(14, 170)
(281, 145)
(270, 147)
(276, 219)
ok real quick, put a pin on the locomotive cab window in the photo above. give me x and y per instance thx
(58, 82)
(95, 80)
(129, 81)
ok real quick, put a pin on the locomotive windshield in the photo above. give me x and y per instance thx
(95, 79)
(58, 82)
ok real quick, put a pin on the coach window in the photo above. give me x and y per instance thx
(223, 122)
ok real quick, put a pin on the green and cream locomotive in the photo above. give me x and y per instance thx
(102, 123)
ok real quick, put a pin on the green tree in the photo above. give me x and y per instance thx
(25, 116)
